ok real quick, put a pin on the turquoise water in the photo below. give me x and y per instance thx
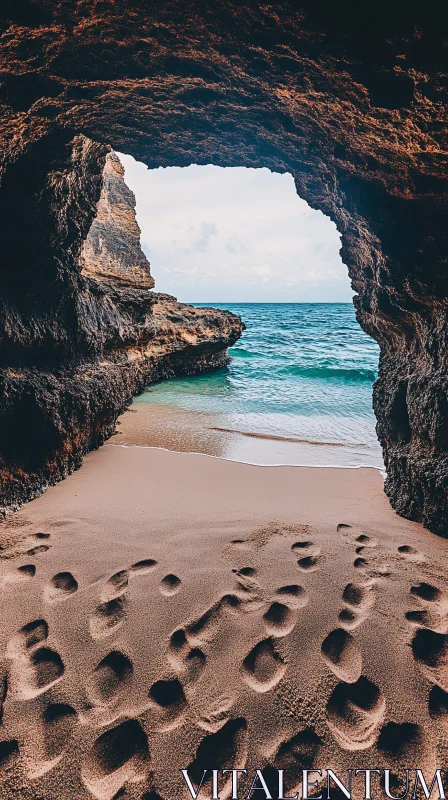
(299, 386)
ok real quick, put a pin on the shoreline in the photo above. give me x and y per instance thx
(109, 443)
(177, 429)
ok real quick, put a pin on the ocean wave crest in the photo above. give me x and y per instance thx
(333, 373)
(240, 352)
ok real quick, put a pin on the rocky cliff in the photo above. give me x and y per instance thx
(348, 97)
(97, 344)
(112, 251)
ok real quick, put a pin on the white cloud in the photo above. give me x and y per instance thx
(235, 234)
(263, 270)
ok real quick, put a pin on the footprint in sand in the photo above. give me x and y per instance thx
(42, 669)
(309, 563)
(111, 612)
(360, 563)
(107, 617)
(398, 741)
(41, 535)
(143, 567)
(263, 667)
(40, 548)
(349, 619)
(115, 587)
(406, 741)
(281, 615)
(342, 654)
(61, 585)
(9, 752)
(410, 553)
(427, 592)
(117, 756)
(298, 753)
(305, 548)
(361, 540)
(432, 612)
(52, 734)
(205, 628)
(217, 714)
(184, 659)
(248, 589)
(241, 544)
(365, 541)
(169, 704)
(279, 619)
(226, 748)
(293, 595)
(245, 579)
(438, 706)
(35, 667)
(234, 605)
(110, 679)
(358, 597)
(18, 576)
(355, 713)
(170, 585)
(309, 555)
(430, 651)
(247, 572)
(426, 618)
(27, 638)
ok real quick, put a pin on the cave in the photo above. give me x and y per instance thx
(348, 99)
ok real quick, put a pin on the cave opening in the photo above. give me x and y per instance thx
(235, 234)
(350, 106)
(298, 387)
(68, 324)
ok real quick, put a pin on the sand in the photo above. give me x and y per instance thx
(152, 424)
(166, 610)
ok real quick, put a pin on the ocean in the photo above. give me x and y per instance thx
(298, 390)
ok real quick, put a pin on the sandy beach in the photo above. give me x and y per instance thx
(163, 610)
(186, 431)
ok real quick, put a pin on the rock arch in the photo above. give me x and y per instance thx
(347, 99)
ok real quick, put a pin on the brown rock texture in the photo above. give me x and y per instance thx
(347, 97)
(112, 249)
(80, 354)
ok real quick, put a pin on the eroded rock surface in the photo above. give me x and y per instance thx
(349, 98)
(112, 250)
(80, 353)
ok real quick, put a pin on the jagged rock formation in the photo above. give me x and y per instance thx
(112, 249)
(79, 355)
(349, 98)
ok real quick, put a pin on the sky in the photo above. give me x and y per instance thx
(215, 234)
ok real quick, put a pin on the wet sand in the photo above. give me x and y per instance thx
(162, 610)
(180, 430)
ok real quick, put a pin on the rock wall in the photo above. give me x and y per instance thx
(347, 97)
(76, 350)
